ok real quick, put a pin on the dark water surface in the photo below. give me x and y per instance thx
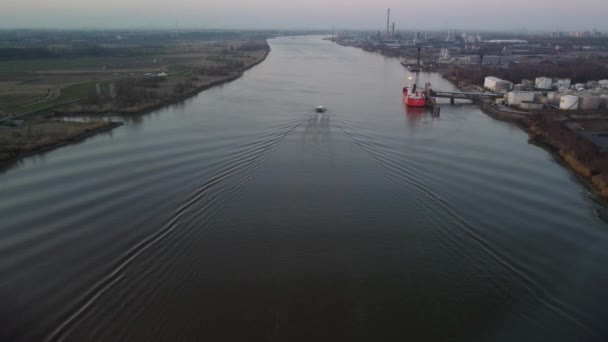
(239, 215)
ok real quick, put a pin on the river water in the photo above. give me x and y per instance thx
(240, 215)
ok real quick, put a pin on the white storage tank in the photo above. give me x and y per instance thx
(568, 102)
(490, 82)
(589, 102)
(517, 97)
(543, 83)
(496, 84)
(563, 83)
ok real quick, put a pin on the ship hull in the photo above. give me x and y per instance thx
(413, 102)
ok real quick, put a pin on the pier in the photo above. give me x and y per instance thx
(452, 95)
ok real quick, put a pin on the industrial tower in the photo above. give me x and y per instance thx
(388, 22)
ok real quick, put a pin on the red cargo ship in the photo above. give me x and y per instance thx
(414, 97)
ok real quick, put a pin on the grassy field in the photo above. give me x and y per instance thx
(28, 85)
(39, 76)
(68, 94)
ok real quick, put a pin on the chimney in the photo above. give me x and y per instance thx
(388, 20)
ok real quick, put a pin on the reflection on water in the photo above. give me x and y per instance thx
(417, 116)
(238, 215)
(317, 129)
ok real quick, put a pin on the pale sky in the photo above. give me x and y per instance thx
(546, 15)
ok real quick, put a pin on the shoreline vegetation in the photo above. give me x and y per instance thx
(558, 133)
(142, 95)
(108, 85)
(42, 135)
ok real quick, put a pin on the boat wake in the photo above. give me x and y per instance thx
(239, 169)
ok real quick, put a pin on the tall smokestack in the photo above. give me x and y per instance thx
(388, 21)
(393, 29)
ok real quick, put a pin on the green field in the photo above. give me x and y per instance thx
(32, 85)
(68, 94)
(41, 65)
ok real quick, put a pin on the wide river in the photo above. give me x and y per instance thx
(239, 215)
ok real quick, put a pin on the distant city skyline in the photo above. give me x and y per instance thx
(310, 14)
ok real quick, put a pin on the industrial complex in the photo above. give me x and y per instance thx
(548, 93)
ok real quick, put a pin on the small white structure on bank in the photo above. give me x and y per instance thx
(568, 102)
(496, 84)
(515, 98)
(544, 83)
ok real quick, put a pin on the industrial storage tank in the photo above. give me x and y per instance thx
(517, 97)
(563, 83)
(589, 102)
(543, 83)
(490, 82)
(568, 102)
(496, 84)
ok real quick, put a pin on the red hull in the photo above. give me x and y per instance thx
(413, 101)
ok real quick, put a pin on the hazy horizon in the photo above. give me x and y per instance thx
(299, 14)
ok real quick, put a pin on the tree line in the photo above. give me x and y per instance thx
(576, 70)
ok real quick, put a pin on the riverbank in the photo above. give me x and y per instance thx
(44, 135)
(24, 135)
(550, 131)
(591, 170)
(572, 149)
(149, 94)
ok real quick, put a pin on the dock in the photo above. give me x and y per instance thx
(453, 95)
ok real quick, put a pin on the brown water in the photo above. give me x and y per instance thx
(240, 215)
